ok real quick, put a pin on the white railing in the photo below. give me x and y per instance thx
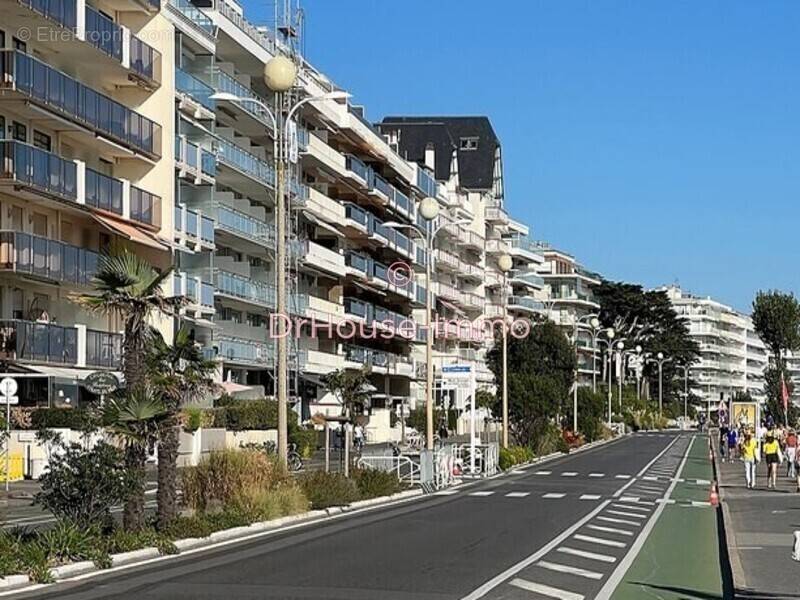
(404, 467)
(485, 459)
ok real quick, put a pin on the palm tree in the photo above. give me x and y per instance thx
(135, 418)
(184, 376)
(130, 288)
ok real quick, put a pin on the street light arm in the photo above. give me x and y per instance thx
(328, 96)
(242, 100)
(443, 225)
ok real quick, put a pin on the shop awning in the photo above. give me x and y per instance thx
(73, 374)
(130, 232)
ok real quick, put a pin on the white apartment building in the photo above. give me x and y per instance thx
(86, 132)
(732, 356)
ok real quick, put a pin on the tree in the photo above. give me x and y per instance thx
(776, 319)
(591, 412)
(128, 287)
(352, 388)
(182, 375)
(541, 369)
(648, 319)
(135, 418)
(82, 484)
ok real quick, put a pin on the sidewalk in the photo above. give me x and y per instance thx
(681, 557)
(759, 525)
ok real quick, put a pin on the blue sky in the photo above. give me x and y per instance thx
(656, 141)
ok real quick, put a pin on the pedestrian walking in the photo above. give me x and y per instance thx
(748, 450)
(358, 437)
(772, 456)
(723, 441)
(733, 442)
(791, 454)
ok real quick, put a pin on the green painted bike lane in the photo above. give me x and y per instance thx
(681, 558)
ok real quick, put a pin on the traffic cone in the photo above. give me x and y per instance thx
(713, 495)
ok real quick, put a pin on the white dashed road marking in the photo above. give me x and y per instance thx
(544, 590)
(597, 474)
(590, 497)
(600, 541)
(609, 529)
(552, 496)
(619, 521)
(517, 494)
(542, 472)
(627, 514)
(480, 494)
(622, 476)
(569, 569)
(585, 554)
(569, 474)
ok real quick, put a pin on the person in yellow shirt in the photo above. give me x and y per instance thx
(747, 450)
(772, 456)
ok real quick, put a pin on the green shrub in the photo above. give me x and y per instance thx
(239, 415)
(306, 440)
(81, 485)
(189, 527)
(514, 455)
(68, 542)
(372, 483)
(324, 490)
(35, 562)
(63, 418)
(549, 440)
(193, 418)
(263, 505)
(9, 553)
(227, 474)
(127, 541)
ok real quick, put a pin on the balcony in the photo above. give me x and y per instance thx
(244, 226)
(123, 57)
(194, 163)
(258, 115)
(198, 91)
(46, 259)
(528, 278)
(426, 183)
(447, 260)
(199, 293)
(103, 349)
(243, 162)
(194, 18)
(57, 93)
(357, 167)
(145, 207)
(525, 247)
(357, 215)
(245, 352)
(241, 288)
(497, 246)
(496, 214)
(386, 362)
(194, 227)
(524, 303)
(357, 262)
(318, 257)
(103, 192)
(44, 172)
(38, 342)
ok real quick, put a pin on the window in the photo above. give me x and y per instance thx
(16, 218)
(41, 140)
(2, 127)
(39, 224)
(468, 143)
(19, 132)
(20, 45)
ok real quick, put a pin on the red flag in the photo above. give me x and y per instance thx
(784, 394)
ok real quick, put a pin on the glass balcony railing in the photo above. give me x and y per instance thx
(426, 182)
(43, 171)
(191, 223)
(208, 163)
(225, 83)
(525, 302)
(241, 287)
(243, 224)
(379, 184)
(193, 15)
(525, 243)
(356, 213)
(236, 350)
(206, 294)
(207, 229)
(60, 93)
(357, 166)
(63, 12)
(103, 349)
(530, 278)
(256, 34)
(243, 161)
(302, 138)
(357, 308)
(194, 87)
(356, 261)
(400, 200)
(145, 207)
(144, 59)
(103, 192)
(38, 342)
(47, 259)
(103, 33)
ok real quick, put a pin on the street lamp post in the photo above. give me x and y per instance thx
(660, 360)
(429, 209)
(685, 369)
(505, 263)
(621, 372)
(609, 342)
(280, 75)
(577, 324)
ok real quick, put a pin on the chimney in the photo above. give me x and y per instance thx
(430, 157)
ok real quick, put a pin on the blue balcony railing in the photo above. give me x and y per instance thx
(103, 192)
(57, 92)
(194, 87)
(244, 351)
(193, 15)
(145, 207)
(243, 288)
(36, 168)
(244, 225)
(144, 59)
(103, 349)
(356, 213)
(356, 261)
(208, 163)
(357, 166)
(103, 33)
(249, 164)
(426, 182)
(38, 342)
(63, 12)
(207, 229)
(225, 83)
(47, 259)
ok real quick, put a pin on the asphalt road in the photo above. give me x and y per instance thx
(565, 529)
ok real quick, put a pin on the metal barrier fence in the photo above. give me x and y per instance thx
(407, 470)
(484, 463)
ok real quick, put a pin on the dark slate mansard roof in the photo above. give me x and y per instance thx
(476, 167)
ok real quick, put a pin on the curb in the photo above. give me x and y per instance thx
(737, 571)
(554, 455)
(19, 583)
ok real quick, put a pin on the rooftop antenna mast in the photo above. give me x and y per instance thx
(289, 23)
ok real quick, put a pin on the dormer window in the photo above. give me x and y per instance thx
(468, 143)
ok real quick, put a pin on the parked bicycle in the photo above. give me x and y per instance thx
(293, 459)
